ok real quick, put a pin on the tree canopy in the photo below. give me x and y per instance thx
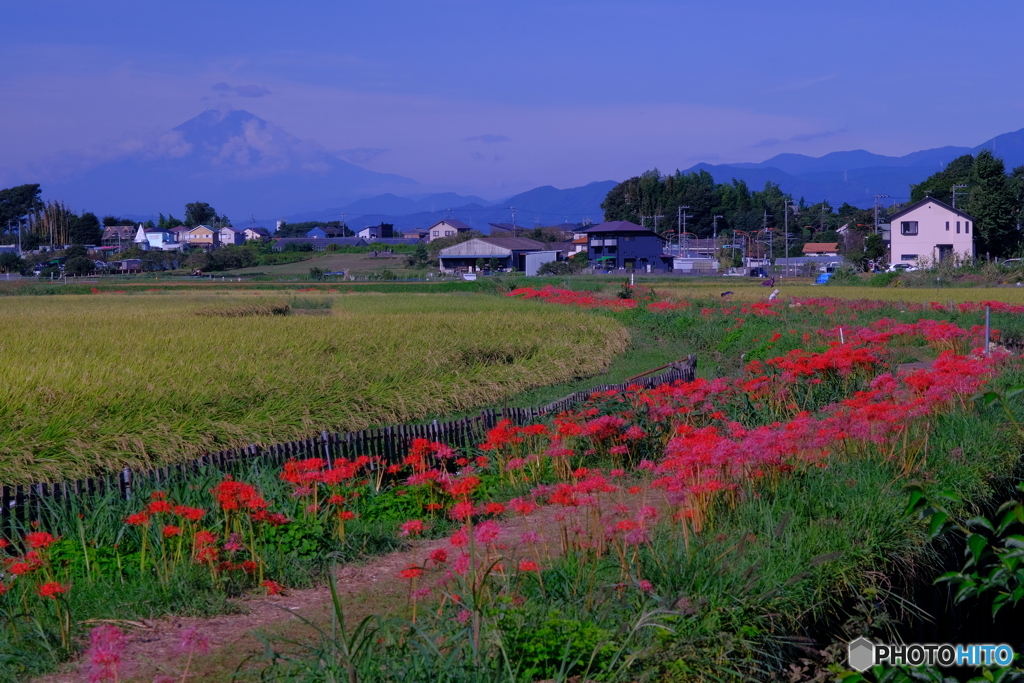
(18, 202)
(737, 207)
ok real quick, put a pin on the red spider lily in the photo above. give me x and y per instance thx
(412, 527)
(234, 495)
(204, 538)
(411, 572)
(567, 297)
(159, 506)
(529, 566)
(51, 589)
(170, 530)
(188, 513)
(138, 519)
(39, 539)
(522, 506)
(494, 509)
(462, 510)
(462, 488)
(303, 472)
(272, 587)
(440, 555)
(460, 539)
(20, 568)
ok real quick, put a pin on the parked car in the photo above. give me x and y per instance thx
(902, 268)
(1012, 263)
(829, 267)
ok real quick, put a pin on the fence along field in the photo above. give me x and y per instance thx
(100, 382)
(21, 504)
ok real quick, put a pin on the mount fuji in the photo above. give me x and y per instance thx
(235, 160)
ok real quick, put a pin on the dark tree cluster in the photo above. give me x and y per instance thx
(657, 201)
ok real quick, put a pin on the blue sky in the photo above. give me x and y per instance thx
(496, 97)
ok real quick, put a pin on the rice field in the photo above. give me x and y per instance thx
(97, 382)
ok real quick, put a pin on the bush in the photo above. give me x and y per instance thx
(558, 268)
(384, 274)
(11, 263)
(79, 265)
(317, 273)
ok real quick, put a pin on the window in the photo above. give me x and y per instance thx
(947, 226)
(448, 233)
(437, 234)
(908, 228)
(967, 226)
(908, 257)
(628, 238)
(958, 227)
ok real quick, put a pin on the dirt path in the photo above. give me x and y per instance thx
(374, 587)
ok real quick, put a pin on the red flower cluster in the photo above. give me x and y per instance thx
(567, 297)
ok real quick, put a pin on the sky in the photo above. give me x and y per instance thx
(497, 97)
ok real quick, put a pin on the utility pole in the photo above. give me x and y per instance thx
(764, 226)
(785, 208)
(513, 220)
(714, 233)
(656, 222)
(955, 193)
(885, 196)
(681, 222)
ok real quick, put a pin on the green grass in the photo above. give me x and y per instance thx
(352, 264)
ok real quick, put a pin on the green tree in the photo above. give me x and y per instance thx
(991, 203)
(1017, 191)
(199, 213)
(940, 185)
(85, 229)
(79, 265)
(18, 202)
(11, 262)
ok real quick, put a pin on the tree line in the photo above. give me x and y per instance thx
(991, 195)
(735, 211)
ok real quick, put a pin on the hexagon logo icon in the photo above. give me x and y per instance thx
(861, 654)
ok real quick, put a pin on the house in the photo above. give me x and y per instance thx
(229, 235)
(375, 232)
(446, 228)
(932, 231)
(392, 241)
(203, 236)
(316, 232)
(416, 233)
(821, 249)
(156, 239)
(501, 253)
(318, 243)
(579, 244)
(626, 245)
(118, 235)
(256, 234)
(179, 233)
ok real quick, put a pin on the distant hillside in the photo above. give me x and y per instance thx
(541, 206)
(857, 176)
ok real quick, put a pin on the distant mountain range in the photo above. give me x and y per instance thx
(857, 176)
(540, 206)
(246, 166)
